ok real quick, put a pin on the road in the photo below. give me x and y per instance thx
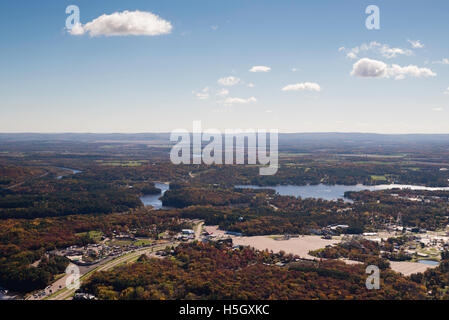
(30, 179)
(199, 228)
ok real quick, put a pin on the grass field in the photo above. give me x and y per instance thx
(379, 178)
(95, 235)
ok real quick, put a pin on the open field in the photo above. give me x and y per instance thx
(408, 268)
(299, 246)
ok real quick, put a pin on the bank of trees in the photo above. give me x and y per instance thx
(201, 271)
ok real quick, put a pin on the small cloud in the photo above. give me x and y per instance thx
(223, 93)
(295, 69)
(203, 95)
(126, 23)
(304, 86)
(77, 30)
(439, 109)
(260, 69)
(447, 91)
(268, 111)
(413, 71)
(368, 68)
(215, 28)
(229, 81)
(381, 49)
(250, 85)
(442, 61)
(231, 101)
(416, 44)
(351, 55)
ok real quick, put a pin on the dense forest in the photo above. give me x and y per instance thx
(315, 171)
(206, 271)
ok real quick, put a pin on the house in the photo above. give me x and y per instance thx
(279, 264)
(419, 254)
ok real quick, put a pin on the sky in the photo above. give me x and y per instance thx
(157, 66)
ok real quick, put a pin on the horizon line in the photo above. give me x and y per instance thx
(167, 132)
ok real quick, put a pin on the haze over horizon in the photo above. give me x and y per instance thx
(154, 67)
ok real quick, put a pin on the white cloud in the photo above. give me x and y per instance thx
(250, 85)
(351, 55)
(215, 28)
(260, 69)
(382, 49)
(304, 86)
(77, 30)
(204, 94)
(229, 81)
(223, 93)
(389, 53)
(442, 61)
(295, 69)
(230, 101)
(439, 109)
(416, 44)
(368, 68)
(413, 71)
(126, 23)
(447, 91)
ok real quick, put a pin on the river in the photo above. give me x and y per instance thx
(333, 192)
(154, 199)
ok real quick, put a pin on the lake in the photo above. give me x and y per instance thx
(332, 192)
(74, 171)
(429, 262)
(153, 199)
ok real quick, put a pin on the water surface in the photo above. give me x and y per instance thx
(429, 262)
(333, 192)
(74, 171)
(153, 199)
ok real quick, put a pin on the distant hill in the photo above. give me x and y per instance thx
(284, 138)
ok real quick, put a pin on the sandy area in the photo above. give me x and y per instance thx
(298, 246)
(408, 268)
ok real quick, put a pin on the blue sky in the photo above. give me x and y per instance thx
(52, 81)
